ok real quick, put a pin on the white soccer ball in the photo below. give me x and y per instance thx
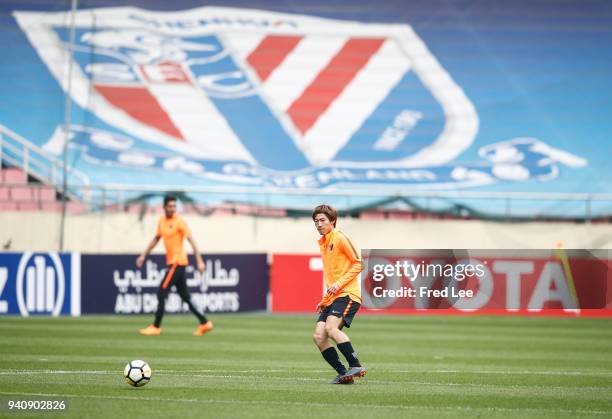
(137, 373)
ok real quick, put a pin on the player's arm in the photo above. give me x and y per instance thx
(196, 252)
(140, 260)
(356, 266)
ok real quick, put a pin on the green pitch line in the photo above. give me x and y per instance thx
(267, 366)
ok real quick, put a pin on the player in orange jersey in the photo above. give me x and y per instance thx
(341, 266)
(173, 229)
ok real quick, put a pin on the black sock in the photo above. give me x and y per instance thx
(349, 353)
(331, 356)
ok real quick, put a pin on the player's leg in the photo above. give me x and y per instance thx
(328, 352)
(181, 287)
(320, 337)
(343, 315)
(335, 321)
(183, 292)
(333, 325)
(162, 295)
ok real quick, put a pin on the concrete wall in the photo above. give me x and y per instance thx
(126, 233)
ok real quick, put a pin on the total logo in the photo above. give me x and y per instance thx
(41, 284)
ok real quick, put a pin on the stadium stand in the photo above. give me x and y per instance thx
(19, 192)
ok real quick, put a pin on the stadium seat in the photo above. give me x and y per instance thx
(74, 207)
(396, 215)
(51, 206)
(372, 216)
(46, 194)
(8, 206)
(21, 193)
(28, 206)
(14, 176)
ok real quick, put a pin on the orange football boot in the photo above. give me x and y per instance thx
(203, 328)
(150, 330)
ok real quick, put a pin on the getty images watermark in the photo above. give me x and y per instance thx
(486, 279)
(411, 271)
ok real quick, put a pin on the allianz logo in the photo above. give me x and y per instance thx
(41, 284)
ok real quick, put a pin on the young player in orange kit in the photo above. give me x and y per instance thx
(341, 266)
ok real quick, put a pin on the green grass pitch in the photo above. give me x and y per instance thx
(266, 366)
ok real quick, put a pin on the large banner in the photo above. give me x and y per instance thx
(456, 282)
(230, 283)
(40, 284)
(265, 100)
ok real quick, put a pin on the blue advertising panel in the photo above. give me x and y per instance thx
(40, 284)
(230, 283)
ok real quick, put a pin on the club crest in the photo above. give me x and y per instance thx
(267, 99)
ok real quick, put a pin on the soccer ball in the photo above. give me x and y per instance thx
(137, 373)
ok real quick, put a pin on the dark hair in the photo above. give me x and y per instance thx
(329, 211)
(169, 198)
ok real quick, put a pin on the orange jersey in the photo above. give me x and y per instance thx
(341, 265)
(174, 230)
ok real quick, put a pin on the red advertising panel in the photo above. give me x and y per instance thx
(296, 282)
(548, 282)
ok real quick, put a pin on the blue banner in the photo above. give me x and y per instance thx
(40, 284)
(230, 283)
